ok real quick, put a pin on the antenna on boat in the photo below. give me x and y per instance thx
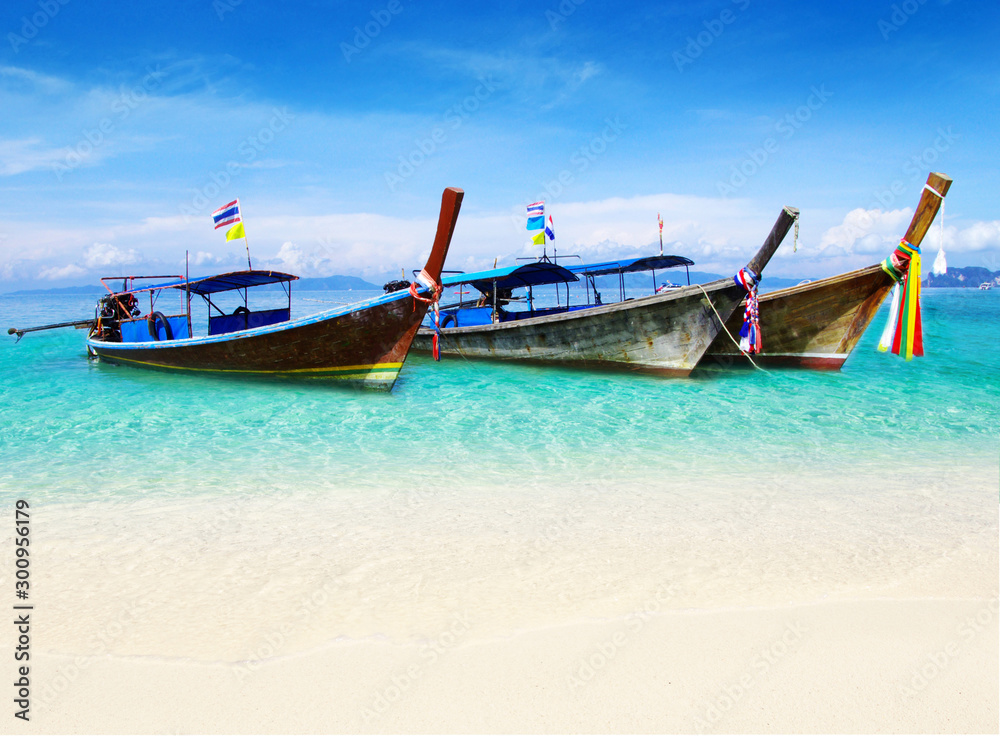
(660, 221)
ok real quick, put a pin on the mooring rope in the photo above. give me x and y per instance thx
(726, 329)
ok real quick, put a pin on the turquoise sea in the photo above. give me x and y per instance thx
(527, 494)
(75, 429)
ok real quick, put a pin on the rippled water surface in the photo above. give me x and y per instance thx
(77, 429)
(521, 495)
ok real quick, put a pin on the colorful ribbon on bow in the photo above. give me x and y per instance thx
(436, 289)
(903, 333)
(750, 337)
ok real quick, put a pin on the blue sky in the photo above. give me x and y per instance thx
(338, 124)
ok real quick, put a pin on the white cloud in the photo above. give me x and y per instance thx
(58, 274)
(979, 236)
(719, 235)
(30, 78)
(293, 259)
(874, 232)
(18, 156)
(868, 232)
(102, 255)
(202, 258)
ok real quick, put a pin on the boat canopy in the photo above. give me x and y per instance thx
(631, 265)
(220, 282)
(513, 277)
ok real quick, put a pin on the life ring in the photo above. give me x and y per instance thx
(151, 324)
(448, 319)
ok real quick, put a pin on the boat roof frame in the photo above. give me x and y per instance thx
(231, 281)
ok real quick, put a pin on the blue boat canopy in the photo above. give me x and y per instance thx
(222, 282)
(513, 277)
(630, 265)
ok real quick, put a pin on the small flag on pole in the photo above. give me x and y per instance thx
(236, 232)
(536, 216)
(550, 229)
(538, 239)
(228, 214)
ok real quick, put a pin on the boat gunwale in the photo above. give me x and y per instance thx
(585, 311)
(821, 283)
(253, 332)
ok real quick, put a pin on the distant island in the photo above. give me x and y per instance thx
(967, 277)
(336, 283)
(64, 290)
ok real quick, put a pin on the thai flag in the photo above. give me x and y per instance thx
(228, 214)
(550, 229)
(537, 209)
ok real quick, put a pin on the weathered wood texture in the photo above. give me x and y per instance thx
(664, 333)
(817, 325)
(814, 325)
(367, 346)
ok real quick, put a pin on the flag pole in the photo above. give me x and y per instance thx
(246, 243)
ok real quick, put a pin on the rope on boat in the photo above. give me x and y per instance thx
(792, 212)
(726, 329)
(436, 290)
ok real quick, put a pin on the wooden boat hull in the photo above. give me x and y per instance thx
(814, 325)
(663, 333)
(817, 325)
(366, 345)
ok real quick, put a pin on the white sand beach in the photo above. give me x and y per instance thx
(767, 612)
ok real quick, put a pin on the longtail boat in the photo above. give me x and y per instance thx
(363, 344)
(664, 333)
(818, 324)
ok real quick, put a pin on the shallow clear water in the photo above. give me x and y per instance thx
(525, 494)
(78, 429)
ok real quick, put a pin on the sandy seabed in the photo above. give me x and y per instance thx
(846, 612)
